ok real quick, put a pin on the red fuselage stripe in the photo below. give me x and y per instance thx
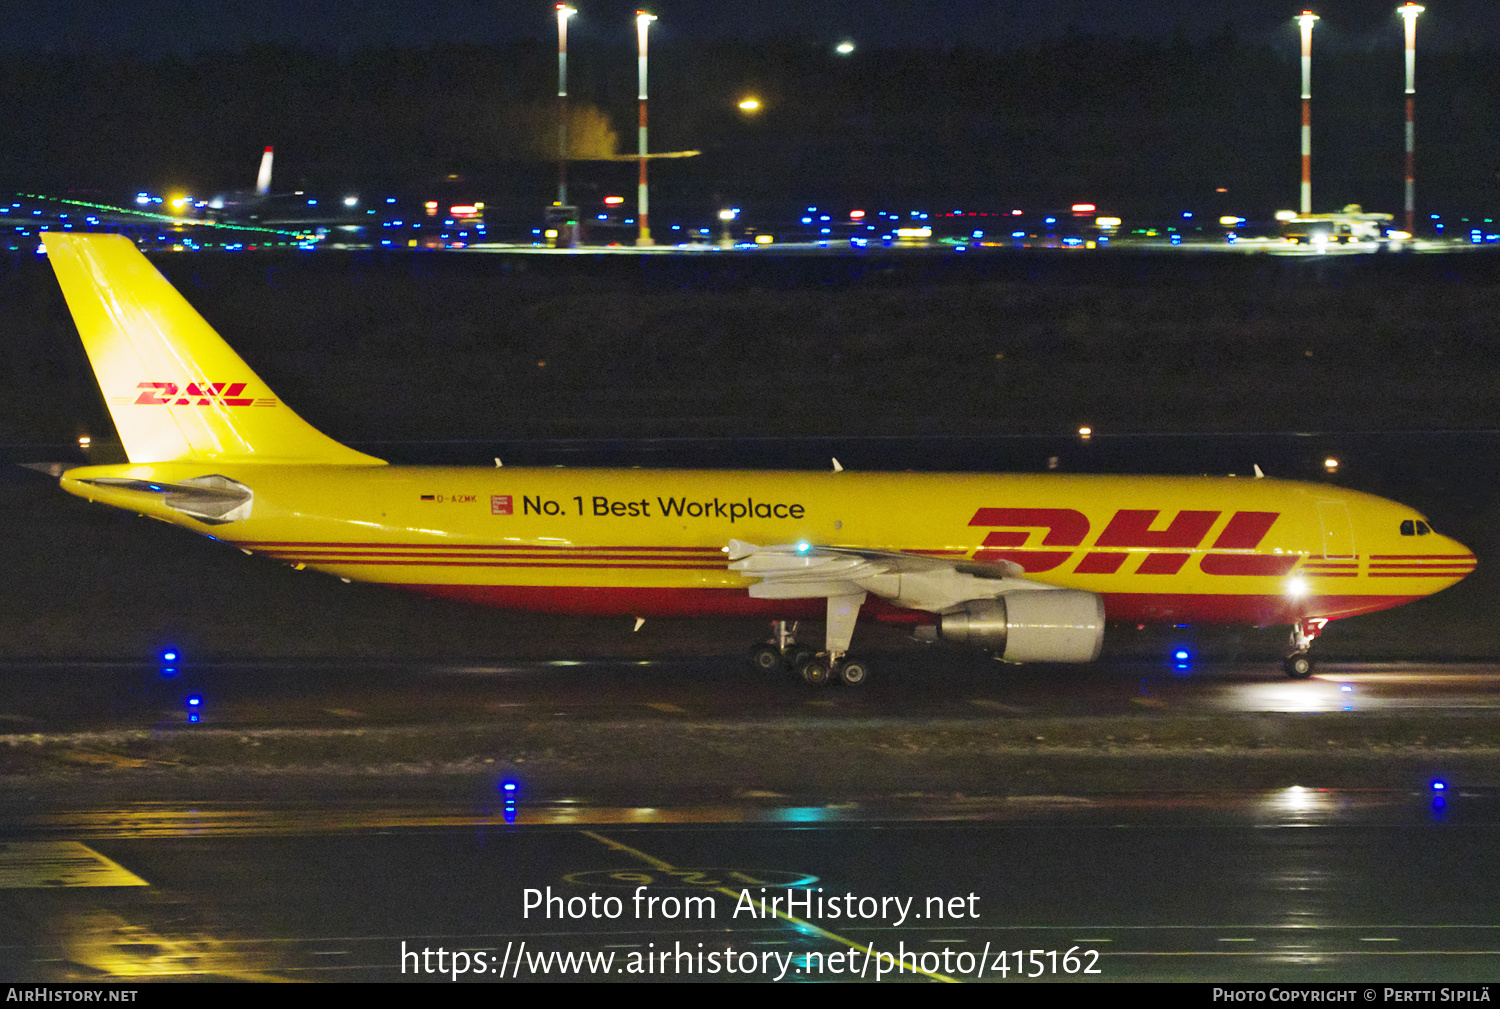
(1119, 606)
(319, 544)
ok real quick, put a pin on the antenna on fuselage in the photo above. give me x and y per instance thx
(836, 467)
(1258, 473)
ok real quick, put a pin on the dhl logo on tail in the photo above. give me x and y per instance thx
(206, 394)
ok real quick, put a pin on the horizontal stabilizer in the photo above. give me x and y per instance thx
(52, 469)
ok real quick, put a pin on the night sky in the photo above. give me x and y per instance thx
(1147, 105)
(155, 27)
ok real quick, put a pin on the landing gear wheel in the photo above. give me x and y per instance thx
(1298, 665)
(797, 656)
(853, 672)
(815, 671)
(767, 658)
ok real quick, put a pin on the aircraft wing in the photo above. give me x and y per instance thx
(915, 581)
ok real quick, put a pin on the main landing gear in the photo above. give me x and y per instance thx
(816, 669)
(1299, 664)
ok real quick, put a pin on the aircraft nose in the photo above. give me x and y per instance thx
(1452, 557)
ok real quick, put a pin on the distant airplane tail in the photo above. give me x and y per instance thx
(176, 390)
(263, 177)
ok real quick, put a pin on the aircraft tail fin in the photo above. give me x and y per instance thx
(175, 389)
(263, 177)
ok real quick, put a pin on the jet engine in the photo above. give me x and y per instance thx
(1056, 625)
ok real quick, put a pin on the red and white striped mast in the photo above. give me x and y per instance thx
(1409, 12)
(563, 13)
(1306, 19)
(643, 237)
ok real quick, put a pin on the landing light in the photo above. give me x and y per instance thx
(1296, 587)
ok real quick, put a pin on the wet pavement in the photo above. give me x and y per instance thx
(1285, 885)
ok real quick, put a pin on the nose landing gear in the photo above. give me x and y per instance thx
(1299, 664)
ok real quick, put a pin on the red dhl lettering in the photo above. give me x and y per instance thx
(1131, 528)
(196, 394)
(1065, 528)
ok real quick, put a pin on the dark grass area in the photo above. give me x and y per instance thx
(377, 346)
(816, 761)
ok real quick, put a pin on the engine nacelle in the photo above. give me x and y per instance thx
(1046, 625)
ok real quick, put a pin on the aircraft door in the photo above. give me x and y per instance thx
(1338, 531)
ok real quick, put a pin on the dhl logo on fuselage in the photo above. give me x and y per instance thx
(1131, 529)
(196, 394)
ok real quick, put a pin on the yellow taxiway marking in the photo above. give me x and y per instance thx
(112, 945)
(805, 926)
(1430, 679)
(52, 864)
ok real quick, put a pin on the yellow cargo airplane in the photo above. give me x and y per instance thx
(1027, 566)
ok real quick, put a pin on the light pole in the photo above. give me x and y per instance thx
(563, 13)
(642, 23)
(1409, 12)
(1306, 19)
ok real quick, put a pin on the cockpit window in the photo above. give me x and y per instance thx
(1415, 527)
(1423, 529)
